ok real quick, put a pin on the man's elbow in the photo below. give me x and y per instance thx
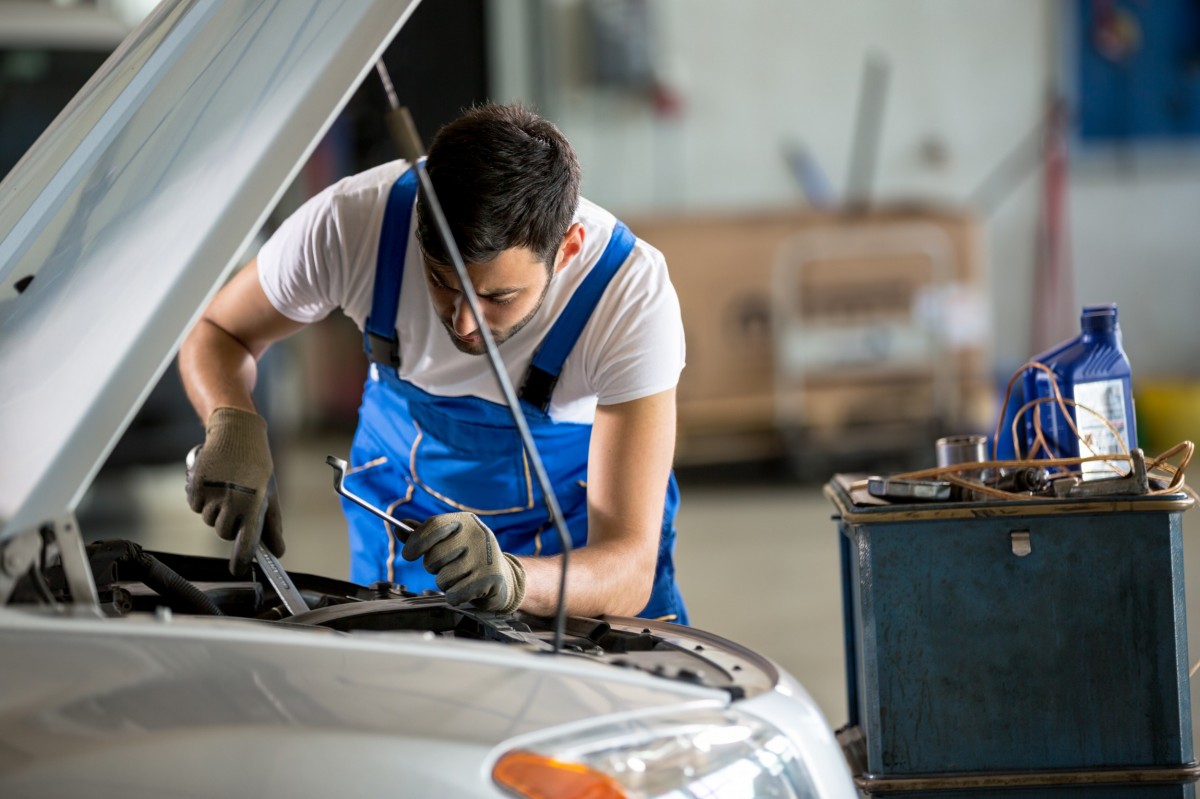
(633, 596)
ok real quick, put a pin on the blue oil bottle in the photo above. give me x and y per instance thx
(1093, 370)
(1016, 446)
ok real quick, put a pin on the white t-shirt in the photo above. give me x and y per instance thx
(323, 257)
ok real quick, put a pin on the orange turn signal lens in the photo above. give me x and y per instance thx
(539, 777)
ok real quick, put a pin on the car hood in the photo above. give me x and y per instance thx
(122, 707)
(128, 212)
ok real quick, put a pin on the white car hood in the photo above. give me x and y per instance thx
(125, 707)
(131, 208)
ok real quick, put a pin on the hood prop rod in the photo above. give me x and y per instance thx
(408, 141)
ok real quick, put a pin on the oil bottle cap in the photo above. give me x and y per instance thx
(1099, 318)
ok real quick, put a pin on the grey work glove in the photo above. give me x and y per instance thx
(228, 484)
(465, 556)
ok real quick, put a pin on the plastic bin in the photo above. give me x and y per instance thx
(1036, 645)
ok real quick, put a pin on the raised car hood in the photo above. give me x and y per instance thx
(130, 210)
(126, 707)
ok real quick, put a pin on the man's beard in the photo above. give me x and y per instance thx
(498, 336)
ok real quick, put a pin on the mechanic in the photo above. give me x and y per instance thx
(587, 324)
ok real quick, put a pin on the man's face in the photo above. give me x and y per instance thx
(511, 288)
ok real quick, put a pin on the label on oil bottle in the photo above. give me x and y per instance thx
(1097, 402)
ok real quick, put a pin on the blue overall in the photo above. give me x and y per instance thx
(417, 455)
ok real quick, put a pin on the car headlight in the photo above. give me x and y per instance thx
(715, 754)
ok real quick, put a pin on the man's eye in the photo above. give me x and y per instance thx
(438, 284)
(503, 299)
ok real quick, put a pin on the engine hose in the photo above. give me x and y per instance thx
(169, 583)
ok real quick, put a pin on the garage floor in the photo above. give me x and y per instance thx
(757, 558)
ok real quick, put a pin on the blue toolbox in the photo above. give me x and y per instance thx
(1016, 648)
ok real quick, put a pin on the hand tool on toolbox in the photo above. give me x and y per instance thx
(1135, 483)
(268, 564)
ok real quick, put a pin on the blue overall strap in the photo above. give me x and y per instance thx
(553, 351)
(380, 340)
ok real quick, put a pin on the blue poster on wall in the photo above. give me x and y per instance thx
(1138, 70)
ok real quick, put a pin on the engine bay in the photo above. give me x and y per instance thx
(130, 580)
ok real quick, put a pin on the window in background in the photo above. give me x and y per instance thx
(1138, 70)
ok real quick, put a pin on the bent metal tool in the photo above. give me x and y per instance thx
(339, 485)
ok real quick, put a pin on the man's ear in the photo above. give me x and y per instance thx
(571, 246)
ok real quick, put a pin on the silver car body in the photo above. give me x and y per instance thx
(115, 229)
(187, 707)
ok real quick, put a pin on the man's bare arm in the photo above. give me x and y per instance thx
(629, 462)
(218, 359)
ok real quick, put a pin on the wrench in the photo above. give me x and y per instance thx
(278, 577)
(339, 485)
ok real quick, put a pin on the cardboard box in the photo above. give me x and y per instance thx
(725, 269)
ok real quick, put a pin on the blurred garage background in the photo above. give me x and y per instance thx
(873, 213)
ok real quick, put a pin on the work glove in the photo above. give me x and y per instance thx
(464, 555)
(228, 484)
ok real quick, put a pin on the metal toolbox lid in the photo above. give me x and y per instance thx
(849, 494)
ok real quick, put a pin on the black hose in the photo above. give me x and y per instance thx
(107, 558)
(169, 583)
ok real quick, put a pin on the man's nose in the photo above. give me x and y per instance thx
(464, 320)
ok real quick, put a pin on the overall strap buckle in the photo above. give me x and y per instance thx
(381, 349)
(537, 388)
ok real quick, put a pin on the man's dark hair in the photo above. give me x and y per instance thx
(505, 177)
